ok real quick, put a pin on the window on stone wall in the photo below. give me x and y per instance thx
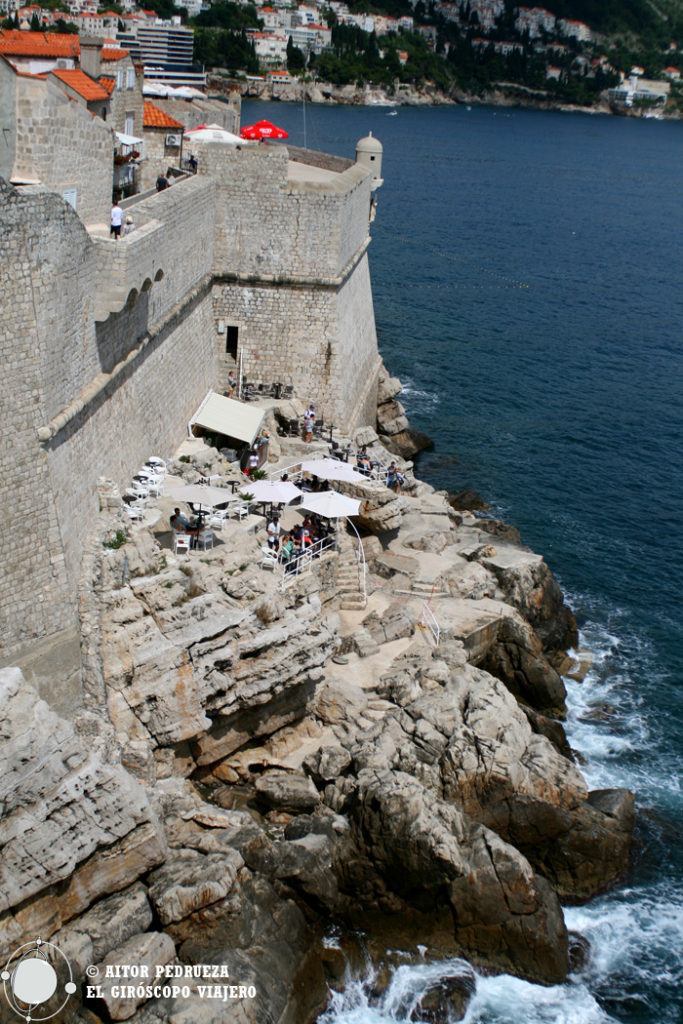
(231, 341)
(119, 78)
(130, 122)
(130, 78)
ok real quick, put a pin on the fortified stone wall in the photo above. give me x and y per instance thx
(300, 295)
(111, 345)
(96, 415)
(36, 595)
(269, 224)
(47, 125)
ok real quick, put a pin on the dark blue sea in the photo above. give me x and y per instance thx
(527, 273)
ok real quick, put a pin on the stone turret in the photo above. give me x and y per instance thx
(369, 154)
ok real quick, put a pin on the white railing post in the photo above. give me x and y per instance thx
(361, 562)
(428, 621)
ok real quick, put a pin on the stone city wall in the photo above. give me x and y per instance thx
(110, 346)
(269, 224)
(63, 385)
(47, 127)
(36, 594)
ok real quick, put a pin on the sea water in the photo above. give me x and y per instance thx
(527, 279)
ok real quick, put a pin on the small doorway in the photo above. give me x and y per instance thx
(231, 342)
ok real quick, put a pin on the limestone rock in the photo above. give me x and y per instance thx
(466, 501)
(340, 702)
(531, 588)
(70, 818)
(151, 950)
(394, 623)
(190, 881)
(115, 919)
(423, 846)
(287, 791)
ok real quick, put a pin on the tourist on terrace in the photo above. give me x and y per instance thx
(252, 464)
(128, 226)
(274, 534)
(193, 163)
(309, 420)
(394, 478)
(162, 182)
(232, 384)
(182, 525)
(116, 221)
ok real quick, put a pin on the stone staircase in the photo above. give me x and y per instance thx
(348, 580)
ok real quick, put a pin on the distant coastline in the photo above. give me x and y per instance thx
(503, 95)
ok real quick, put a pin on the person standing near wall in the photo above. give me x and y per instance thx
(116, 221)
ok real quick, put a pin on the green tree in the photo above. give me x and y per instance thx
(296, 59)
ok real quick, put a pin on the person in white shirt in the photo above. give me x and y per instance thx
(116, 221)
(274, 534)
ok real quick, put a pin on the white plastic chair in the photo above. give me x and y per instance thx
(157, 464)
(181, 543)
(205, 539)
(269, 561)
(218, 518)
(137, 490)
(153, 483)
(135, 512)
(240, 510)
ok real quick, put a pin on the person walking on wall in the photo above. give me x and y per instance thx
(232, 384)
(116, 221)
(162, 182)
(128, 226)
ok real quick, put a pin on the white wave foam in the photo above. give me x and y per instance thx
(507, 1000)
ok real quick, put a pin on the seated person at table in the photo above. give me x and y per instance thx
(287, 548)
(363, 461)
(180, 524)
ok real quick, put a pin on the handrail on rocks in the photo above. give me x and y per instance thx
(428, 621)
(302, 563)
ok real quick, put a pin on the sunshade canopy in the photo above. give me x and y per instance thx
(127, 140)
(213, 133)
(200, 494)
(331, 504)
(226, 416)
(332, 469)
(279, 492)
(263, 130)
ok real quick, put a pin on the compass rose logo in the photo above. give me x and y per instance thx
(37, 981)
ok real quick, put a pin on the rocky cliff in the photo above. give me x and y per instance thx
(258, 759)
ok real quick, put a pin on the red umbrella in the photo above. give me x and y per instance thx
(263, 130)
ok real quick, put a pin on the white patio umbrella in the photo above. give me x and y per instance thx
(200, 494)
(212, 133)
(332, 469)
(278, 492)
(331, 504)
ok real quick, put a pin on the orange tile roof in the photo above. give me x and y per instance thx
(81, 83)
(114, 53)
(154, 117)
(107, 83)
(39, 44)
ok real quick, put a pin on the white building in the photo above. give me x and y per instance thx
(269, 47)
(534, 20)
(576, 29)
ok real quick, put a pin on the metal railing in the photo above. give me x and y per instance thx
(428, 621)
(302, 563)
(362, 565)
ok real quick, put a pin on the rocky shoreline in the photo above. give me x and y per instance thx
(509, 95)
(254, 764)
